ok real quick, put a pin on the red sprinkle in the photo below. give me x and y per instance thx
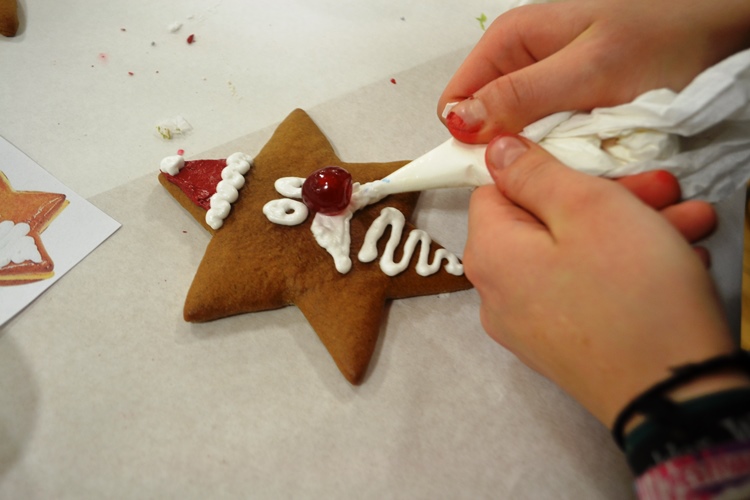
(130, 73)
(180, 152)
(393, 81)
(190, 39)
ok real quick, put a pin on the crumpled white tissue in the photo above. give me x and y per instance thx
(701, 134)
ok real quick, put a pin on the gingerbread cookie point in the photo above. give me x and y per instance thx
(270, 251)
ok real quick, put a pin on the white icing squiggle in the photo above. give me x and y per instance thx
(227, 190)
(15, 244)
(286, 212)
(397, 221)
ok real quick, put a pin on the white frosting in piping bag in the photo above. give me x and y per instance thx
(452, 164)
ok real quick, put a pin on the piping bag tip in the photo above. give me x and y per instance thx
(451, 164)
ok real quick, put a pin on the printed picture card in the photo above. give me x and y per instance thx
(45, 230)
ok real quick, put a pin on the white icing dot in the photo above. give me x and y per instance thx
(172, 164)
(285, 212)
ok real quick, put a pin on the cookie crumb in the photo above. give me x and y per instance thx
(171, 127)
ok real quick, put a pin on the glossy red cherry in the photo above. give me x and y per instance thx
(327, 190)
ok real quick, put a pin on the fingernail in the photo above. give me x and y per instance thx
(466, 117)
(503, 151)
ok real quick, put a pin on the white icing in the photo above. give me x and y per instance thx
(332, 232)
(397, 221)
(227, 190)
(452, 164)
(291, 187)
(15, 244)
(172, 164)
(286, 212)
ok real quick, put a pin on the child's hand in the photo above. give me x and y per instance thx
(580, 54)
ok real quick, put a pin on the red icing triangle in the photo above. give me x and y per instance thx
(198, 180)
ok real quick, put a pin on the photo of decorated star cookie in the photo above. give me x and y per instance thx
(341, 283)
(24, 215)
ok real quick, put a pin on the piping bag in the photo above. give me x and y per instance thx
(701, 135)
(452, 164)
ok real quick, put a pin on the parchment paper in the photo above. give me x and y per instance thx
(105, 392)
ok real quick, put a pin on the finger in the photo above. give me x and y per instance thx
(657, 188)
(694, 219)
(703, 255)
(533, 179)
(550, 81)
(515, 39)
(513, 236)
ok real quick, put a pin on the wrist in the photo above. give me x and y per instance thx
(687, 381)
(706, 385)
(707, 422)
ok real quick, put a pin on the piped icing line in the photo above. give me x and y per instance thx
(291, 187)
(227, 190)
(332, 232)
(284, 211)
(389, 216)
(16, 245)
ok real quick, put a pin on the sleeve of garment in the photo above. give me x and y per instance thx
(719, 472)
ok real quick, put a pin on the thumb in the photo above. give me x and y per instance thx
(510, 102)
(534, 180)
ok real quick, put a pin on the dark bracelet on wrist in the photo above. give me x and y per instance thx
(654, 405)
(716, 420)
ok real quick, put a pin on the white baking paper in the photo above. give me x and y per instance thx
(701, 135)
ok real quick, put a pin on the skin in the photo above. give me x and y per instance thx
(585, 54)
(592, 282)
(603, 302)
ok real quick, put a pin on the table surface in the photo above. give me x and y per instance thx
(106, 393)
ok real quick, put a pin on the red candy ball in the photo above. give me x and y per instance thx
(327, 190)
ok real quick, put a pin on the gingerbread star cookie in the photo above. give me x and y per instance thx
(255, 262)
(24, 215)
(8, 17)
